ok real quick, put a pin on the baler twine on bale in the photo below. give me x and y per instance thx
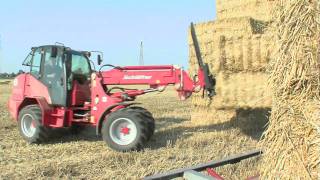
(292, 141)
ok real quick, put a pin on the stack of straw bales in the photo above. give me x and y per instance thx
(292, 140)
(238, 50)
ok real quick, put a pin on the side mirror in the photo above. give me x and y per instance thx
(99, 59)
(54, 52)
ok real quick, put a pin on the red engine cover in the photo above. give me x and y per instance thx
(26, 86)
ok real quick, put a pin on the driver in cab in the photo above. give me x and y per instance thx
(52, 71)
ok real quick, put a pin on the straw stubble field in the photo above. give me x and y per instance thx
(178, 142)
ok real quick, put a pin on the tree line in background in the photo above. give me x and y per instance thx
(8, 75)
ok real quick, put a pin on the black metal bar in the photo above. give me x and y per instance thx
(209, 78)
(196, 46)
(213, 164)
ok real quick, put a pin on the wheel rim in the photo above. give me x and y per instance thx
(123, 131)
(28, 125)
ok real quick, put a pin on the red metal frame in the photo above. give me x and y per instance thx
(214, 174)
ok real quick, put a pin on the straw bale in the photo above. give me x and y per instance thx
(292, 140)
(234, 47)
(230, 50)
(238, 90)
(236, 44)
(258, 9)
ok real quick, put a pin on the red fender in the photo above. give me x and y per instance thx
(108, 111)
(51, 117)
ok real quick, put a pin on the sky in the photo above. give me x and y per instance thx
(114, 27)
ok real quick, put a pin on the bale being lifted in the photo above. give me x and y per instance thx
(292, 141)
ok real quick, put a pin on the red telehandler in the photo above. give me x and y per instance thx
(62, 90)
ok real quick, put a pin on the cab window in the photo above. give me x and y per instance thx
(28, 60)
(36, 63)
(80, 65)
(53, 65)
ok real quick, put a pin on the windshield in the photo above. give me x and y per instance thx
(80, 64)
(27, 60)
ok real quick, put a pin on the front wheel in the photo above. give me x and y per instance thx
(30, 125)
(127, 129)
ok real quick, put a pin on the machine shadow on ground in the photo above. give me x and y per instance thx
(251, 122)
(66, 135)
(89, 133)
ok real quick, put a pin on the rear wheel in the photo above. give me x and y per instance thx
(30, 125)
(127, 129)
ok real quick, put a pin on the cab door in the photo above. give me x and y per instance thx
(53, 75)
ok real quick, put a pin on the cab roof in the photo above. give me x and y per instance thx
(49, 46)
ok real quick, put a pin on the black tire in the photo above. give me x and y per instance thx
(138, 119)
(41, 133)
(148, 118)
